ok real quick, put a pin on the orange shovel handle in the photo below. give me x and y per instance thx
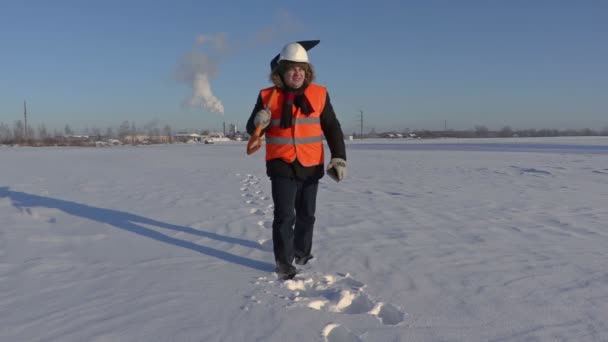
(255, 141)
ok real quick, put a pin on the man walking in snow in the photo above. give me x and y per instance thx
(295, 115)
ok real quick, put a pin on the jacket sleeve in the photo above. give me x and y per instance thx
(332, 131)
(259, 105)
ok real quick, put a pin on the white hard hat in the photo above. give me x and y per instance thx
(294, 52)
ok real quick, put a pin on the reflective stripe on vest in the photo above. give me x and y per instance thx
(291, 141)
(303, 140)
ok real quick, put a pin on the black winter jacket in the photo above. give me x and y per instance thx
(333, 135)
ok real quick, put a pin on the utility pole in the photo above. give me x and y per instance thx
(25, 120)
(361, 124)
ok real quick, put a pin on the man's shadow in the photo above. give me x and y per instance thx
(132, 223)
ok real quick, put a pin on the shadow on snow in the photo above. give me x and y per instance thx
(132, 223)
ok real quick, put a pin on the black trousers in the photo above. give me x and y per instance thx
(294, 217)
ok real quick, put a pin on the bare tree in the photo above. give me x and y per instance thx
(133, 132)
(167, 132)
(6, 137)
(506, 132)
(153, 132)
(123, 130)
(109, 133)
(96, 132)
(482, 131)
(18, 130)
(29, 134)
(42, 133)
(372, 133)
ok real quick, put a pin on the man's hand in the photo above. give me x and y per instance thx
(262, 118)
(337, 169)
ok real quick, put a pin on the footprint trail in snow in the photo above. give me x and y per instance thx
(258, 205)
(332, 293)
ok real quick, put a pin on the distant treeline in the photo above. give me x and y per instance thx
(484, 132)
(128, 133)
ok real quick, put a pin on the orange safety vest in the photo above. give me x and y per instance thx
(304, 139)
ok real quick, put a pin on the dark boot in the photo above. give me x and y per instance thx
(285, 272)
(303, 260)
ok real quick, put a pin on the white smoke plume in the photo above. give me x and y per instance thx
(203, 96)
(197, 69)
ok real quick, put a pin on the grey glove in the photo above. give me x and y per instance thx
(337, 169)
(262, 118)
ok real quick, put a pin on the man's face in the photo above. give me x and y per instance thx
(294, 77)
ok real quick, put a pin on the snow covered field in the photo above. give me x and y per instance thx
(426, 240)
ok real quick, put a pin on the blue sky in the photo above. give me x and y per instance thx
(405, 64)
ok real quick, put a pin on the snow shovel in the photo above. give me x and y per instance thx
(255, 141)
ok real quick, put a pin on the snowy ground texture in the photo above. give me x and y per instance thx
(451, 240)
